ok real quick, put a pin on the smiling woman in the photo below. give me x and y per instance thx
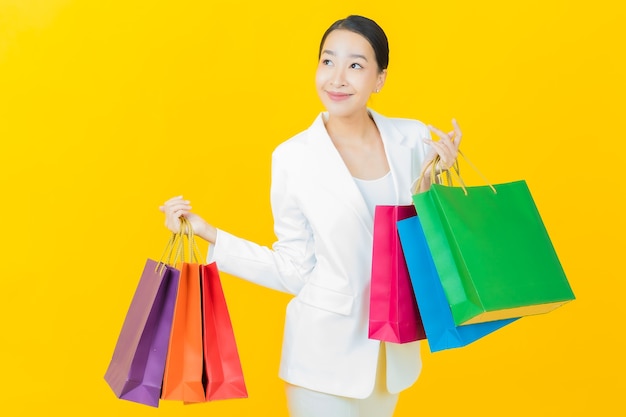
(109, 108)
(323, 257)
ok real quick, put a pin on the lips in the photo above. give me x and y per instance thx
(337, 96)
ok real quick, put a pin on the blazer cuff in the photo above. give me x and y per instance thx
(210, 258)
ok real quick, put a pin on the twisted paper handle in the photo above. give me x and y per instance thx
(457, 172)
(175, 252)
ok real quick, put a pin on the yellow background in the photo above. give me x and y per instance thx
(107, 108)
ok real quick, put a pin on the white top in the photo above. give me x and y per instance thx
(377, 192)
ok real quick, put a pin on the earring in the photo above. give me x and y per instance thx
(378, 90)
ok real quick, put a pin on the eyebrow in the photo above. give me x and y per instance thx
(326, 51)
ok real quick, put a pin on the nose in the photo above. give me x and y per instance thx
(338, 79)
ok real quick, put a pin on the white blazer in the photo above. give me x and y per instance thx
(323, 257)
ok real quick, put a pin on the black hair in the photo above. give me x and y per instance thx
(369, 30)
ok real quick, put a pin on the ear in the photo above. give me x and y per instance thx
(380, 82)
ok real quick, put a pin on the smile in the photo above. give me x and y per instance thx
(338, 96)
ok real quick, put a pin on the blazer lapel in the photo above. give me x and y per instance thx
(337, 177)
(400, 157)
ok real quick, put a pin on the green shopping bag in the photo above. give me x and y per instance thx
(492, 251)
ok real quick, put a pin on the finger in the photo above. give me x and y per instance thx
(173, 220)
(457, 132)
(438, 132)
(445, 148)
(447, 153)
(441, 151)
(440, 147)
(179, 213)
(174, 199)
(175, 203)
(456, 125)
(179, 208)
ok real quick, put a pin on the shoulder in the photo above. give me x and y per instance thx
(302, 142)
(293, 144)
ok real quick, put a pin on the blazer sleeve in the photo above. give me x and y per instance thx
(286, 265)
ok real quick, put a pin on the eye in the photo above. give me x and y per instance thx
(327, 62)
(356, 66)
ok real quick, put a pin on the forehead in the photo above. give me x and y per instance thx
(345, 41)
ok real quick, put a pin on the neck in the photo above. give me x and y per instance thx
(355, 127)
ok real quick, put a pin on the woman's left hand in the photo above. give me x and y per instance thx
(447, 147)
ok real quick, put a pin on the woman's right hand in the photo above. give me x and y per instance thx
(177, 207)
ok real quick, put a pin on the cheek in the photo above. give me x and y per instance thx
(319, 79)
(322, 77)
(319, 87)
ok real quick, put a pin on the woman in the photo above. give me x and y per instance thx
(326, 182)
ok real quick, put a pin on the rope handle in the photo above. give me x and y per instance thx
(193, 252)
(457, 172)
(436, 177)
(174, 251)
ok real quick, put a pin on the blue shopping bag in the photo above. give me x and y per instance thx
(441, 331)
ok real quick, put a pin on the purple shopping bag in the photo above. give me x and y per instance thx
(135, 372)
(394, 315)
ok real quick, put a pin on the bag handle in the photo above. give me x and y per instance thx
(193, 251)
(175, 248)
(477, 171)
(166, 256)
(434, 175)
(457, 172)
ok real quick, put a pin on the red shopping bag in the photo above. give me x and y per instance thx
(224, 375)
(394, 315)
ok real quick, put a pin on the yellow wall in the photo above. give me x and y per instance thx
(107, 108)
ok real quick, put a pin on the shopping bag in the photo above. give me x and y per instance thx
(182, 378)
(184, 367)
(224, 374)
(393, 313)
(492, 251)
(135, 372)
(441, 331)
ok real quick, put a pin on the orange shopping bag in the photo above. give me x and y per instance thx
(183, 376)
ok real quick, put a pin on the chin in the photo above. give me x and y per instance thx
(341, 109)
(336, 111)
